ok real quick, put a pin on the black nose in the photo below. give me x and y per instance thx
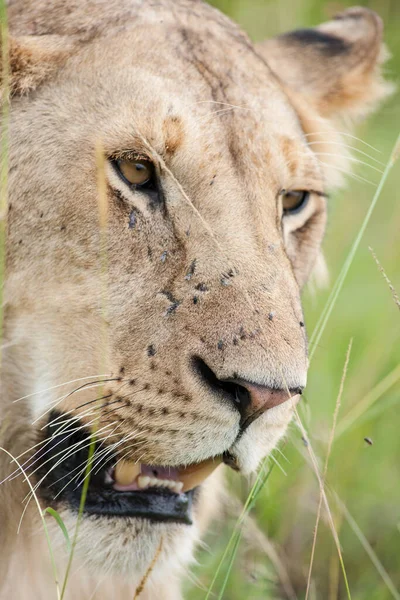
(250, 399)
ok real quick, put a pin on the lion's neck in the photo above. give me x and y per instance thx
(30, 576)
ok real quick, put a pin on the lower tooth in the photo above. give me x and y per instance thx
(143, 481)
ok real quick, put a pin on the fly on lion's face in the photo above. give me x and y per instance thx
(167, 204)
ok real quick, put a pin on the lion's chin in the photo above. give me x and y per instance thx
(126, 547)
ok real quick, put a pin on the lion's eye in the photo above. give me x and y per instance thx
(138, 173)
(294, 201)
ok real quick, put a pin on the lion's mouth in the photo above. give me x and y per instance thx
(117, 488)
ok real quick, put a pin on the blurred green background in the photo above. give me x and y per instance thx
(365, 477)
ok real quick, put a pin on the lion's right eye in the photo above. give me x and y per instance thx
(136, 173)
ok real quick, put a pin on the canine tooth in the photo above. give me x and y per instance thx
(194, 475)
(143, 481)
(126, 472)
(178, 485)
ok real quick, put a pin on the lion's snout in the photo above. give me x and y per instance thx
(249, 398)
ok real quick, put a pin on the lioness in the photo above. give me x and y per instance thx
(167, 202)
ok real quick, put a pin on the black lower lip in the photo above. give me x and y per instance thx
(156, 505)
(63, 481)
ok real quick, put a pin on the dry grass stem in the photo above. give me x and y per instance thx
(328, 453)
(146, 576)
(386, 278)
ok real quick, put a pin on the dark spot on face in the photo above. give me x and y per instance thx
(163, 256)
(182, 415)
(165, 411)
(139, 408)
(20, 242)
(132, 220)
(168, 372)
(149, 252)
(271, 316)
(242, 334)
(191, 270)
(151, 350)
(220, 345)
(160, 391)
(176, 381)
(146, 386)
(203, 341)
(122, 370)
(63, 228)
(195, 299)
(235, 341)
(301, 324)
(132, 381)
(187, 232)
(174, 302)
(202, 287)
(153, 366)
(151, 411)
(41, 214)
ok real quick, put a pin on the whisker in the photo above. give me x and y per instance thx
(57, 386)
(352, 158)
(54, 403)
(344, 145)
(345, 133)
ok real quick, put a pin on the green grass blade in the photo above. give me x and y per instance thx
(326, 313)
(250, 501)
(61, 524)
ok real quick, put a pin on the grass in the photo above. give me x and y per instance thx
(362, 480)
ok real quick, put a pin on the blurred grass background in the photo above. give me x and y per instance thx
(365, 477)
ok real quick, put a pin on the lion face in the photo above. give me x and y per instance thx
(166, 209)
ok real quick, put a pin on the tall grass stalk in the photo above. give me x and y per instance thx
(350, 419)
(326, 313)
(315, 467)
(233, 543)
(328, 453)
(368, 549)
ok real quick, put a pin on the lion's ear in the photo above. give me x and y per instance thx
(336, 66)
(33, 59)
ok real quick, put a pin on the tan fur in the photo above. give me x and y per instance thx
(214, 273)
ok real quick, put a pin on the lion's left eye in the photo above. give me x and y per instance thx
(294, 201)
(136, 173)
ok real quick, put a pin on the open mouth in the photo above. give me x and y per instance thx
(116, 487)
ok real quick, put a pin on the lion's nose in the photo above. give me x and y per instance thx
(253, 400)
(249, 398)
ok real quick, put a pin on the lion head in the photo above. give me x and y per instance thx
(168, 185)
